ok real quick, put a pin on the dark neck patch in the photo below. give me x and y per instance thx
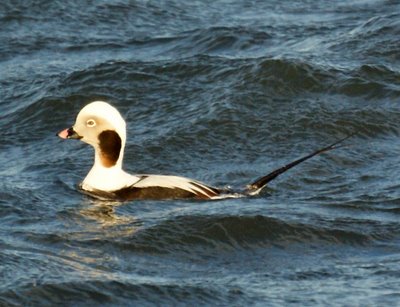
(110, 147)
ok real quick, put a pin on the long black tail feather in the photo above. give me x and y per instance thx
(260, 183)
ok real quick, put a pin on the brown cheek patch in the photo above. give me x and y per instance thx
(110, 147)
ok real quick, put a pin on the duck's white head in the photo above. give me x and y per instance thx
(102, 126)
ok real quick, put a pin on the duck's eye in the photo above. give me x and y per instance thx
(91, 123)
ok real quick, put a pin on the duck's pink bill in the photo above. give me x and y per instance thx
(63, 134)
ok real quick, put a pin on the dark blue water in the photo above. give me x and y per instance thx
(219, 91)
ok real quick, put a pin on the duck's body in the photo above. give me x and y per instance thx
(158, 187)
(102, 126)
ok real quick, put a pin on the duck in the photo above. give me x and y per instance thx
(102, 126)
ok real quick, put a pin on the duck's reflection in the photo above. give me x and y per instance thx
(104, 214)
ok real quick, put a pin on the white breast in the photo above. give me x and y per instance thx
(108, 179)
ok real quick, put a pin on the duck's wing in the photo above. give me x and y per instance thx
(170, 187)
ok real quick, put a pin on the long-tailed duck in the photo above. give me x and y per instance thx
(102, 126)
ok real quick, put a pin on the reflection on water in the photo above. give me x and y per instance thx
(103, 213)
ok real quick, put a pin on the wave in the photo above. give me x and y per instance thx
(281, 77)
(373, 39)
(197, 235)
(210, 235)
(81, 293)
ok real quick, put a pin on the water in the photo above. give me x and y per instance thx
(223, 92)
